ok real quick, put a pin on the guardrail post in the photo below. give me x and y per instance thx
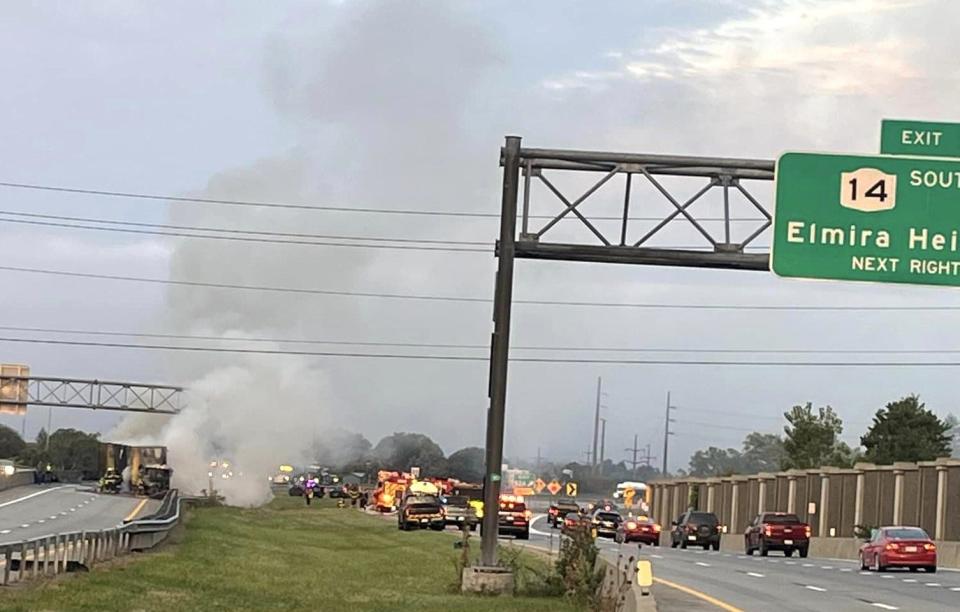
(7, 562)
(36, 559)
(46, 556)
(61, 554)
(23, 560)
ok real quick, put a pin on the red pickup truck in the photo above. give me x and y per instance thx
(777, 531)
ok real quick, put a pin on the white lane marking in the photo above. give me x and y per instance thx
(657, 556)
(910, 580)
(790, 562)
(537, 531)
(755, 575)
(741, 556)
(870, 574)
(815, 588)
(773, 560)
(933, 584)
(24, 526)
(5, 532)
(26, 497)
(808, 565)
(826, 567)
(727, 555)
(73, 509)
(53, 517)
(702, 564)
(846, 569)
(63, 514)
(887, 577)
(955, 589)
(884, 606)
(41, 521)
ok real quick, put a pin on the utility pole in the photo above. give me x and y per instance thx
(647, 458)
(596, 421)
(603, 440)
(667, 433)
(538, 460)
(588, 455)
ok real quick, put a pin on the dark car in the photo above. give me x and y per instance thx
(560, 509)
(644, 531)
(459, 512)
(695, 528)
(606, 523)
(576, 520)
(419, 511)
(909, 547)
(777, 531)
(514, 519)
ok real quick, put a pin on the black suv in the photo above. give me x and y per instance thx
(418, 511)
(560, 509)
(697, 529)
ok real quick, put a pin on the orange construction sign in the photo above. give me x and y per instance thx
(554, 487)
(539, 485)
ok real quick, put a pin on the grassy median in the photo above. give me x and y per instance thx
(285, 556)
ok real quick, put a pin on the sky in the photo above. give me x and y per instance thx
(390, 106)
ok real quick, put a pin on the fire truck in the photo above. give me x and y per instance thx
(391, 487)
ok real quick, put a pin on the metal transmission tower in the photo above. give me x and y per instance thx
(731, 176)
(645, 457)
(92, 394)
(667, 433)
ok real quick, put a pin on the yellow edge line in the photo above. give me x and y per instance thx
(713, 600)
(136, 511)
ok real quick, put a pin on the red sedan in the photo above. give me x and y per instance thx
(638, 530)
(909, 547)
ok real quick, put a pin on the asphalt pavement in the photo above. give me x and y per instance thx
(39, 510)
(690, 579)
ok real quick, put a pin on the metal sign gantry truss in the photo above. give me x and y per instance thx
(732, 176)
(92, 394)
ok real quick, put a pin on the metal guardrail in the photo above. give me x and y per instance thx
(57, 553)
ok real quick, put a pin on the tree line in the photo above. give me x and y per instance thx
(65, 449)
(904, 430)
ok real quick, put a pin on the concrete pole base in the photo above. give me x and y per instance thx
(487, 580)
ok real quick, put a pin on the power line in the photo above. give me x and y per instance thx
(348, 209)
(484, 347)
(127, 230)
(849, 364)
(481, 300)
(201, 228)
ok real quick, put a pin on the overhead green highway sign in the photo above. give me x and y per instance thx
(867, 218)
(899, 137)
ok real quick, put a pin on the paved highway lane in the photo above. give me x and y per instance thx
(34, 511)
(777, 583)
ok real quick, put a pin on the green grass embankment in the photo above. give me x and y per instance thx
(285, 556)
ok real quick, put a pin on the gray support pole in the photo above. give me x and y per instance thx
(500, 350)
(7, 562)
(858, 502)
(897, 496)
(36, 558)
(83, 547)
(824, 501)
(23, 561)
(734, 501)
(940, 527)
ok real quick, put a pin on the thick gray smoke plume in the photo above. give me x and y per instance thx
(374, 91)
